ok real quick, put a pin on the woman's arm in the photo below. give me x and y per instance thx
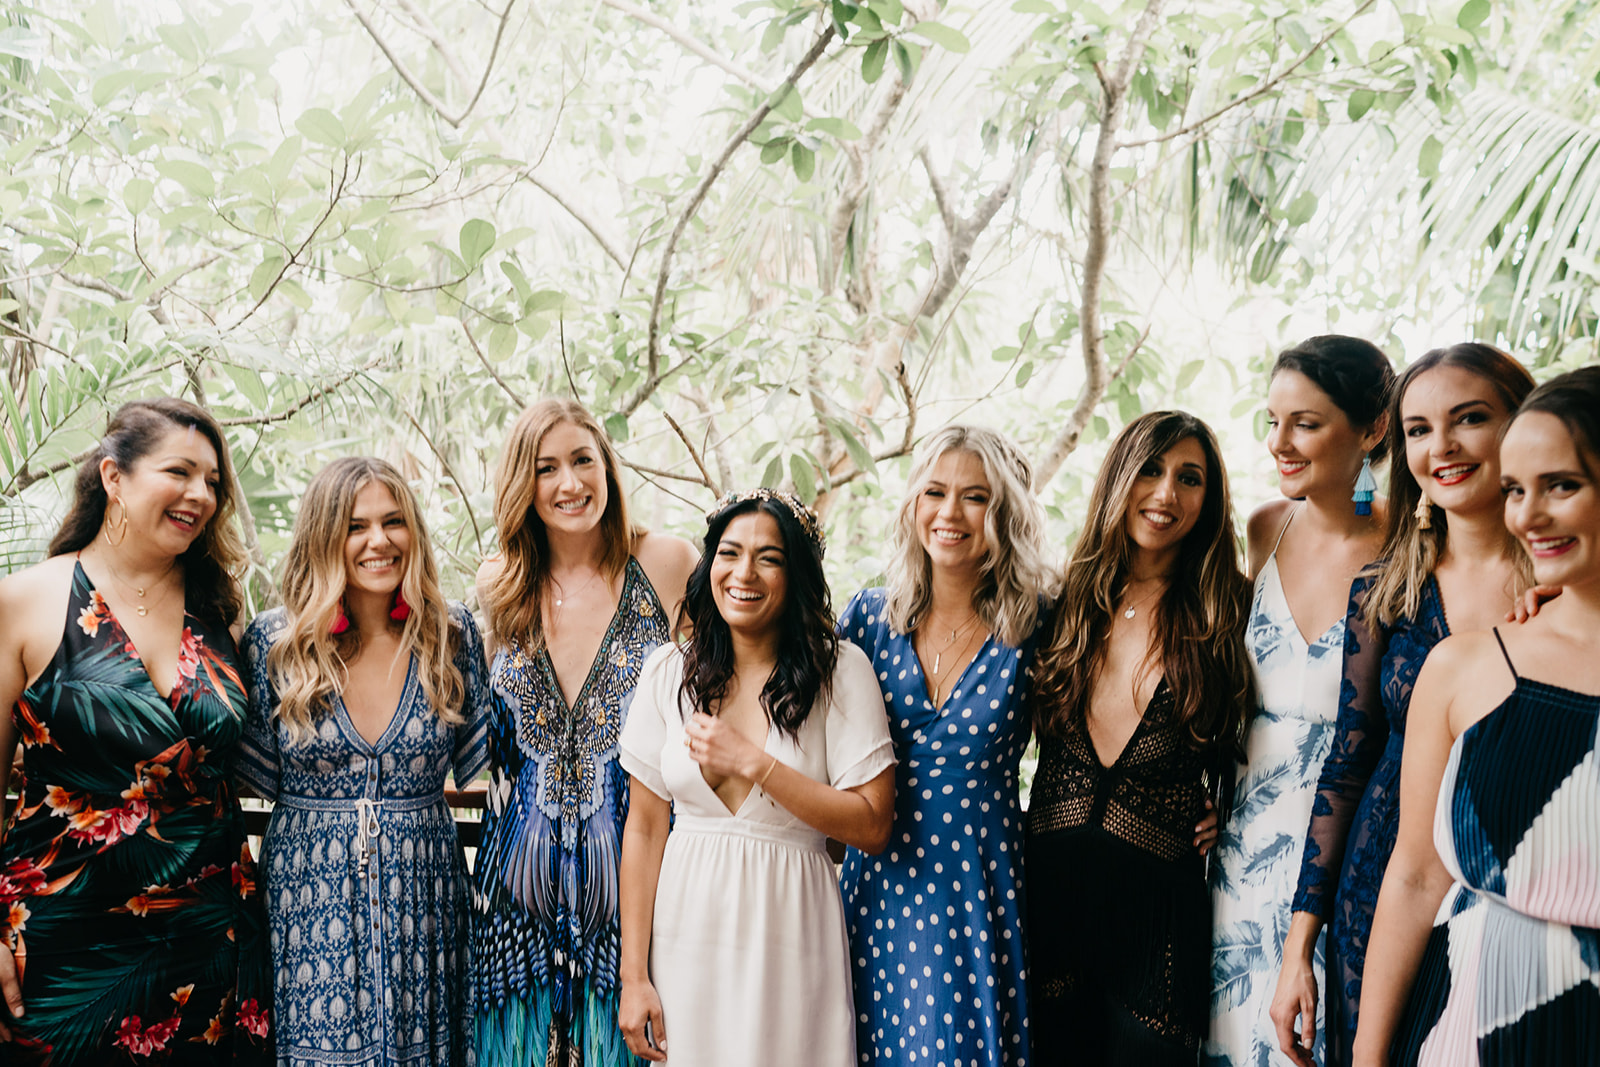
(1416, 880)
(13, 680)
(644, 840)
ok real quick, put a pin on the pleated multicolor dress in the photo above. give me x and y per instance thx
(127, 891)
(1511, 975)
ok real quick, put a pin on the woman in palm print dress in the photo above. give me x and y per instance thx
(132, 926)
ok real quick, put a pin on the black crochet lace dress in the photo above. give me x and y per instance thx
(1119, 919)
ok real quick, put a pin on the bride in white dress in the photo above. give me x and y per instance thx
(749, 745)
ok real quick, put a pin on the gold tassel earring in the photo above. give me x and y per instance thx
(1424, 513)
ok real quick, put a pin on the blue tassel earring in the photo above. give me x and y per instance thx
(1366, 487)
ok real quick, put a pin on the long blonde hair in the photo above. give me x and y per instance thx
(514, 600)
(1200, 618)
(1410, 553)
(1015, 570)
(307, 662)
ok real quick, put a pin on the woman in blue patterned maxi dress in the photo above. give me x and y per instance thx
(576, 600)
(365, 881)
(935, 920)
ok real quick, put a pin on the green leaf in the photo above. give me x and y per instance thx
(906, 57)
(1301, 210)
(321, 125)
(107, 87)
(1188, 373)
(249, 383)
(1428, 157)
(136, 195)
(774, 149)
(617, 426)
(843, 129)
(192, 176)
(805, 480)
(947, 37)
(872, 60)
(1473, 14)
(1024, 372)
(787, 103)
(774, 472)
(519, 280)
(1360, 103)
(264, 275)
(1005, 353)
(805, 162)
(502, 342)
(852, 444)
(477, 237)
(545, 300)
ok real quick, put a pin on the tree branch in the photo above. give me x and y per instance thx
(1096, 374)
(705, 475)
(449, 472)
(564, 198)
(334, 196)
(430, 31)
(1260, 90)
(689, 44)
(516, 398)
(859, 157)
(304, 402)
(653, 374)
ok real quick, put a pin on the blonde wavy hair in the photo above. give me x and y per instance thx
(307, 662)
(514, 600)
(1015, 570)
(1410, 553)
(1199, 621)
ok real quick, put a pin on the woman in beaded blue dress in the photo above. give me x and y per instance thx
(935, 921)
(1447, 565)
(366, 690)
(575, 601)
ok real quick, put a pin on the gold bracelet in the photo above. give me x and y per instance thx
(770, 768)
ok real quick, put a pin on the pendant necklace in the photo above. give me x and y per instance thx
(938, 654)
(562, 599)
(141, 609)
(1132, 608)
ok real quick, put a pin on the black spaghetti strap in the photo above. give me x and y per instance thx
(1509, 665)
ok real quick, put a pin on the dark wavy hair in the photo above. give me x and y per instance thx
(1355, 374)
(1574, 398)
(807, 646)
(216, 556)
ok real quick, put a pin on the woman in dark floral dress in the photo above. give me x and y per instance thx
(132, 929)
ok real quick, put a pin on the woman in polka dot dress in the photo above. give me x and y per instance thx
(935, 920)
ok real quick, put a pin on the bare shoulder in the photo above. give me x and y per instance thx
(33, 605)
(1467, 674)
(49, 579)
(489, 572)
(1262, 528)
(667, 561)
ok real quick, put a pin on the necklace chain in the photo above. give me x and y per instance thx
(1132, 609)
(936, 676)
(141, 609)
(565, 596)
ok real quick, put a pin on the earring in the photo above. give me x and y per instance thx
(121, 527)
(341, 621)
(401, 610)
(1366, 486)
(1424, 513)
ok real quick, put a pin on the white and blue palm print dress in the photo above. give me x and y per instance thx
(1257, 859)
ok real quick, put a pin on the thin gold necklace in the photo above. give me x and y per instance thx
(141, 609)
(565, 596)
(1132, 608)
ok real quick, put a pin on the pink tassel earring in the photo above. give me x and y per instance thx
(401, 610)
(341, 622)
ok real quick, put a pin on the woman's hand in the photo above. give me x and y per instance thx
(1294, 1009)
(10, 988)
(1527, 605)
(722, 750)
(639, 1007)
(1205, 834)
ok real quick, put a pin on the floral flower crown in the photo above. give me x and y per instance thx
(809, 523)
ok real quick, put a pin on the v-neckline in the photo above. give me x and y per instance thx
(1288, 610)
(549, 667)
(700, 773)
(348, 724)
(144, 668)
(1144, 716)
(922, 675)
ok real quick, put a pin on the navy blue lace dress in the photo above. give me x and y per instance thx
(1357, 809)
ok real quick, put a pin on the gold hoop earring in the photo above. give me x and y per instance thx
(120, 527)
(1424, 513)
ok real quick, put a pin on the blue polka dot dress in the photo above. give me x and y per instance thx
(935, 920)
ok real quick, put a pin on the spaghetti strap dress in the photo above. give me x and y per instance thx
(1257, 859)
(1119, 916)
(1511, 974)
(544, 926)
(127, 890)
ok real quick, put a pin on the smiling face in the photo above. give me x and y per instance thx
(950, 512)
(1552, 504)
(1316, 448)
(377, 545)
(1451, 419)
(1168, 495)
(570, 490)
(170, 493)
(750, 574)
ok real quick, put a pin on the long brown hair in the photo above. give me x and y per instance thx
(1410, 553)
(514, 601)
(1200, 619)
(307, 663)
(216, 557)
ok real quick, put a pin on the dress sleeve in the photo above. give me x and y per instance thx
(859, 746)
(644, 725)
(260, 762)
(1359, 737)
(472, 735)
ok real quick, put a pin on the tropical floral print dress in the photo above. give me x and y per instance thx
(127, 891)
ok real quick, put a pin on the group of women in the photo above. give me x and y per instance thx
(671, 738)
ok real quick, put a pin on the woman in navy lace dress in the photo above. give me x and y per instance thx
(1447, 564)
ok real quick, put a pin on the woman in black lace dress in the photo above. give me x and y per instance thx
(1140, 704)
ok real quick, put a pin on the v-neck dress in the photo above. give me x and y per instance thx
(1119, 917)
(935, 921)
(127, 891)
(544, 928)
(748, 951)
(1256, 864)
(365, 881)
